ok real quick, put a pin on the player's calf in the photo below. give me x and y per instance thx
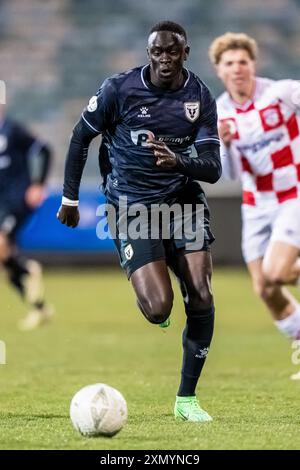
(5, 248)
(196, 339)
(34, 290)
(26, 277)
(16, 269)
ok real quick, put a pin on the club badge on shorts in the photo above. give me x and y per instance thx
(192, 110)
(128, 252)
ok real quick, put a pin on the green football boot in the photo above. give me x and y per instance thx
(165, 324)
(188, 409)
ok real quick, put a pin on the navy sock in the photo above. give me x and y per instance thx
(196, 340)
(16, 268)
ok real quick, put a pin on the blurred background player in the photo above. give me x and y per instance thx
(24, 165)
(140, 112)
(260, 144)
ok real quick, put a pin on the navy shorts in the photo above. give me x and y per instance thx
(11, 220)
(163, 237)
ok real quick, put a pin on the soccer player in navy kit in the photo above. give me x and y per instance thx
(148, 118)
(24, 165)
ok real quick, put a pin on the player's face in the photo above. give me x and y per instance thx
(167, 52)
(236, 70)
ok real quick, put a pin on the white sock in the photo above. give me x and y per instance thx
(290, 326)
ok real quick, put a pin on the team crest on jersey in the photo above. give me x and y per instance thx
(271, 117)
(192, 110)
(128, 252)
(92, 106)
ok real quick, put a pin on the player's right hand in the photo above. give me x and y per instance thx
(68, 215)
(225, 133)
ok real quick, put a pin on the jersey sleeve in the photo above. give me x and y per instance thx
(288, 91)
(23, 139)
(37, 154)
(231, 164)
(208, 122)
(102, 110)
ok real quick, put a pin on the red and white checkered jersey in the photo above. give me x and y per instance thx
(265, 150)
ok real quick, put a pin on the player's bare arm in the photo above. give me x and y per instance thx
(34, 195)
(225, 133)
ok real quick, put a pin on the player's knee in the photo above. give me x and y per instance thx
(201, 298)
(156, 308)
(274, 275)
(4, 247)
(263, 289)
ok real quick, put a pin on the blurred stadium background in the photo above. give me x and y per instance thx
(55, 54)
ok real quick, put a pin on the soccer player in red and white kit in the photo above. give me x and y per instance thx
(259, 125)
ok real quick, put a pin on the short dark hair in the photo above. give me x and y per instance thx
(169, 26)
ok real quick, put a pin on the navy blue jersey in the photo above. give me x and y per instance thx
(16, 173)
(128, 110)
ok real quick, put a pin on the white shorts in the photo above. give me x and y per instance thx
(263, 225)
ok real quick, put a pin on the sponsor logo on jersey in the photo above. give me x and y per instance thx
(92, 106)
(192, 110)
(128, 252)
(168, 139)
(141, 136)
(257, 146)
(144, 112)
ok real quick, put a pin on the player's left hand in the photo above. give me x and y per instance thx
(34, 195)
(165, 157)
(68, 215)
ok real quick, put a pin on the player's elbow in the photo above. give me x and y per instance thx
(82, 135)
(215, 174)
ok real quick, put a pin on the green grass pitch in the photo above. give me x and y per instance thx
(100, 336)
